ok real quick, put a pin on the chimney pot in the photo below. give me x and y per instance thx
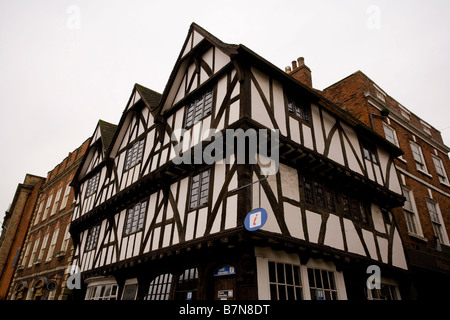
(301, 61)
(294, 65)
(287, 69)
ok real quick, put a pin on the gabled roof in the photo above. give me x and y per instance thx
(150, 97)
(104, 132)
(196, 35)
(107, 131)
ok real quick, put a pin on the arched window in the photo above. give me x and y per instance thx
(159, 288)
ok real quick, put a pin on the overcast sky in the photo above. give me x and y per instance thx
(66, 64)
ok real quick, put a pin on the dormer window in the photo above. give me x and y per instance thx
(198, 109)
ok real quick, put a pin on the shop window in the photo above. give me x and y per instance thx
(322, 284)
(285, 281)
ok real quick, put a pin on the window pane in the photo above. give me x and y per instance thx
(280, 273)
(273, 292)
(289, 278)
(272, 277)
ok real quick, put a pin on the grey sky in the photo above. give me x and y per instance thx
(66, 64)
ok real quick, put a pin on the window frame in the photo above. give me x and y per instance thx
(393, 132)
(333, 288)
(442, 176)
(274, 282)
(436, 220)
(411, 214)
(420, 165)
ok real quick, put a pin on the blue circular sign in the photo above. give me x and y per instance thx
(255, 219)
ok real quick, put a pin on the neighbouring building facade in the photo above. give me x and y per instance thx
(43, 264)
(147, 226)
(14, 228)
(423, 170)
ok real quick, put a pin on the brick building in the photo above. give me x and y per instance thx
(42, 266)
(14, 228)
(423, 169)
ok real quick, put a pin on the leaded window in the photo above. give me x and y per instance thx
(199, 189)
(134, 154)
(198, 109)
(135, 217)
(92, 238)
(92, 185)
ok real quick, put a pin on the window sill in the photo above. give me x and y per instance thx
(425, 173)
(417, 236)
(445, 184)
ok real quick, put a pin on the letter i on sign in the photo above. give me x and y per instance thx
(255, 219)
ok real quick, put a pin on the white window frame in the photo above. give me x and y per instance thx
(38, 214)
(65, 197)
(55, 204)
(387, 282)
(413, 212)
(437, 221)
(27, 253)
(97, 289)
(130, 282)
(420, 165)
(43, 247)
(66, 239)
(440, 169)
(33, 253)
(51, 249)
(265, 254)
(387, 127)
(47, 206)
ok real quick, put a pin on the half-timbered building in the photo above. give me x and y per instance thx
(149, 226)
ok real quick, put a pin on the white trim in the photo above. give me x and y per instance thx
(422, 181)
(264, 254)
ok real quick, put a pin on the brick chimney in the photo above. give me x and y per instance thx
(300, 72)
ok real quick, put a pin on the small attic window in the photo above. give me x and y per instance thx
(380, 94)
(426, 127)
(405, 113)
